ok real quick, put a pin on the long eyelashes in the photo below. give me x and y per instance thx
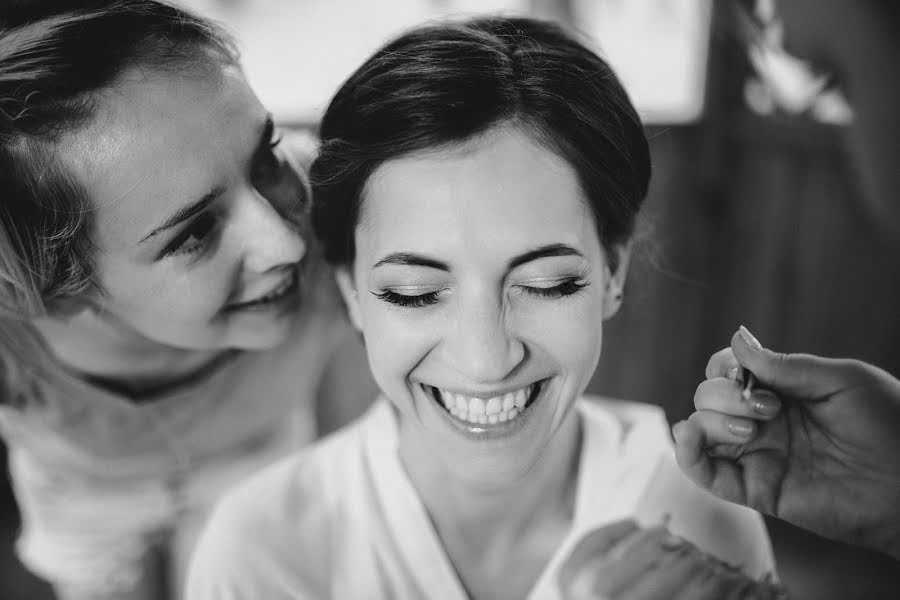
(194, 237)
(267, 165)
(408, 301)
(568, 287)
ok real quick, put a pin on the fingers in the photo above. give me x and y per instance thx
(694, 443)
(689, 453)
(802, 376)
(718, 428)
(719, 476)
(722, 364)
(724, 396)
(707, 444)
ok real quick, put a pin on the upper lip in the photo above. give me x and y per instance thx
(287, 280)
(486, 395)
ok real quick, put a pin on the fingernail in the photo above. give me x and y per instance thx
(740, 428)
(749, 338)
(766, 405)
(670, 541)
(734, 373)
(676, 429)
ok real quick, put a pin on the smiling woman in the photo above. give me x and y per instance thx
(477, 188)
(163, 327)
(497, 310)
(201, 258)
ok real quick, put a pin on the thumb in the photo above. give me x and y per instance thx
(801, 375)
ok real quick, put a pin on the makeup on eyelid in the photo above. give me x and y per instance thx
(566, 287)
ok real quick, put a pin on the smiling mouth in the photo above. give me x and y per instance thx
(502, 408)
(284, 289)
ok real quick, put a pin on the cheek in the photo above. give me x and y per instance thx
(573, 335)
(395, 343)
(178, 299)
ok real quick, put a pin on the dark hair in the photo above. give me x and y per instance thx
(443, 84)
(56, 61)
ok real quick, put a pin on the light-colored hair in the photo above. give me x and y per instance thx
(57, 59)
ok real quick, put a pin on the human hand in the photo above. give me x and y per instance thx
(622, 561)
(819, 446)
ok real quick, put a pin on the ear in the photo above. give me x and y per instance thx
(351, 297)
(615, 280)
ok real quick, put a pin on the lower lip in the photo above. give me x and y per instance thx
(477, 431)
(284, 301)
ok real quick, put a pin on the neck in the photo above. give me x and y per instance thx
(117, 355)
(491, 521)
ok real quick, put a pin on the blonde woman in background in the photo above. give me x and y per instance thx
(164, 326)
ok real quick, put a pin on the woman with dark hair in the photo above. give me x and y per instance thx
(150, 239)
(476, 189)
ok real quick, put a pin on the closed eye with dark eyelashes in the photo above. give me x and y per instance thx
(416, 301)
(568, 287)
(565, 288)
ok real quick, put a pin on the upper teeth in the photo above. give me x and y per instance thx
(497, 409)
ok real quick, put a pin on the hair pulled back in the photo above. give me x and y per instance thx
(441, 85)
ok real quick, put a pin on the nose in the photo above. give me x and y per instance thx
(481, 345)
(270, 241)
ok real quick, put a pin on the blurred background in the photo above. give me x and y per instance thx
(775, 199)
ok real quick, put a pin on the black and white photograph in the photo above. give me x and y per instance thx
(449, 299)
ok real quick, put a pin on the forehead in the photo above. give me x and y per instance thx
(503, 190)
(158, 142)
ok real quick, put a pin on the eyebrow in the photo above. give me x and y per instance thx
(186, 212)
(411, 259)
(544, 252)
(418, 260)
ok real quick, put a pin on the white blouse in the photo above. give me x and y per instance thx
(341, 519)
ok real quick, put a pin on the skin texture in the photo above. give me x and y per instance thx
(475, 209)
(825, 456)
(162, 142)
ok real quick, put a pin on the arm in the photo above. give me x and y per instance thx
(149, 584)
(87, 542)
